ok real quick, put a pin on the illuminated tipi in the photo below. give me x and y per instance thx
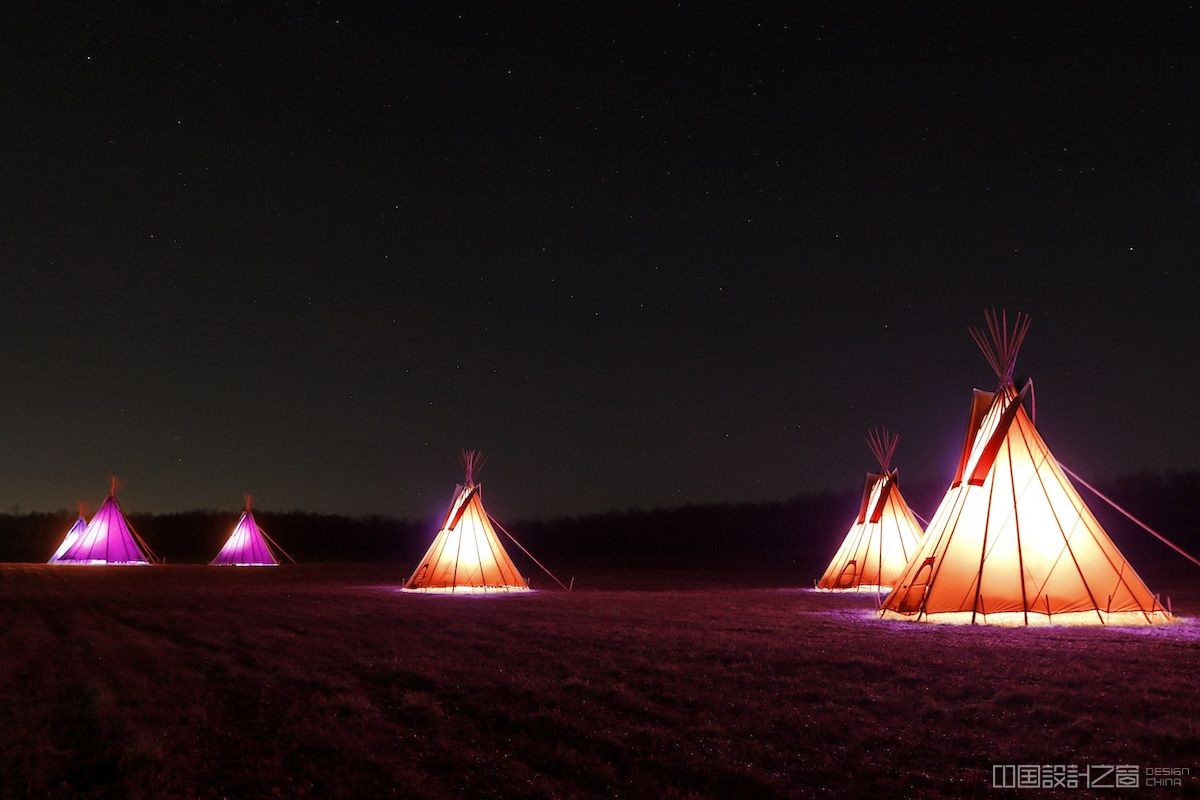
(884, 534)
(248, 545)
(108, 538)
(71, 537)
(467, 555)
(1012, 541)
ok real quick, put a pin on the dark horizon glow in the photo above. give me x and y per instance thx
(640, 258)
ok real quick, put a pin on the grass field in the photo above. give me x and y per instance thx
(327, 682)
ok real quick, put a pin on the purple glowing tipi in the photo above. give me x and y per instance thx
(248, 545)
(108, 538)
(72, 536)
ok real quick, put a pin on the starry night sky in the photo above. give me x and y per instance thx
(641, 256)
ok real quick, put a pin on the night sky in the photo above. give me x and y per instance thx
(641, 257)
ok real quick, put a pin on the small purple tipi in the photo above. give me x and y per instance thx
(248, 545)
(72, 536)
(108, 538)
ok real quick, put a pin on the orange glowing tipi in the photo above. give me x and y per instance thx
(1012, 541)
(467, 555)
(883, 536)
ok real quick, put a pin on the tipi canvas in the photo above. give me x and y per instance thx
(108, 538)
(466, 555)
(1012, 541)
(883, 536)
(71, 537)
(247, 545)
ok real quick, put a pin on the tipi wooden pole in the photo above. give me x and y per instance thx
(526, 552)
(274, 543)
(1131, 517)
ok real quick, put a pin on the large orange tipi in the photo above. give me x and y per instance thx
(467, 555)
(1012, 541)
(884, 534)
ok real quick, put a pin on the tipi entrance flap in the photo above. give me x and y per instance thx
(914, 593)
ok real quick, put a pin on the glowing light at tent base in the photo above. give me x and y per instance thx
(99, 562)
(467, 590)
(862, 589)
(1018, 619)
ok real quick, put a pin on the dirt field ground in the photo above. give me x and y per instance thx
(327, 682)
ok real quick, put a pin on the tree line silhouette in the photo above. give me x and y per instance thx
(798, 534)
